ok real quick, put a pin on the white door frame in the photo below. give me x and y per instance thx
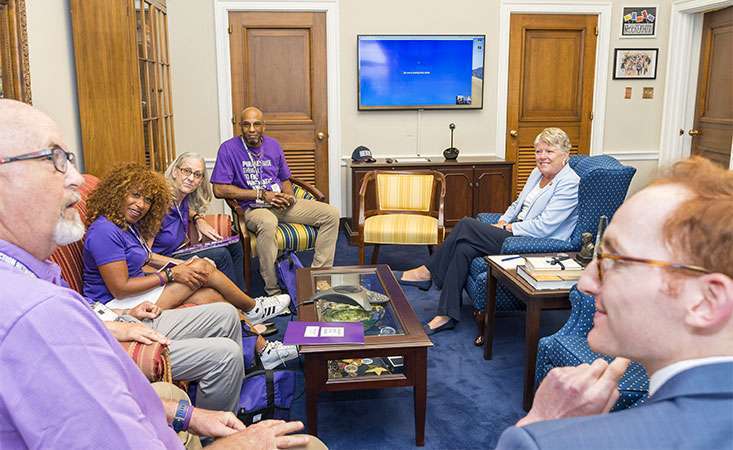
(223, 72)
(680, 87)
(603, 11)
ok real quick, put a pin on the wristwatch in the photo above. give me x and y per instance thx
(169, 275)
(183, 416)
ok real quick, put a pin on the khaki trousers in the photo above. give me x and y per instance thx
(263, 223)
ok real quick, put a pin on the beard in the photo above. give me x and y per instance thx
(68, 229)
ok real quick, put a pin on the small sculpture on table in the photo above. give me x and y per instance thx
(587, 248)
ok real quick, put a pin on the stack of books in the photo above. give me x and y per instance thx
(544, 273)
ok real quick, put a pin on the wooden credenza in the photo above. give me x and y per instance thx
(474, 184)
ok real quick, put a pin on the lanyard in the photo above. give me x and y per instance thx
(140, 240)
(12, 262)
(178, 210)
(254, 164)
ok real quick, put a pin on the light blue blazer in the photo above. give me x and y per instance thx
(554, 213)
(691, 410)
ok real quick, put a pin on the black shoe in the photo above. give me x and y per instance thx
(449, 325)
(422, 285)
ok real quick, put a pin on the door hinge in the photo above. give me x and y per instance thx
(595, 30)
(229, 29)
(590, 115)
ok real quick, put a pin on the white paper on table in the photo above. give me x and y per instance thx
(332, 331)
(507, 262)
(311, 331)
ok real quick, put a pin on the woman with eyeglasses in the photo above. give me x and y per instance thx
(120, 270)
(189, 183)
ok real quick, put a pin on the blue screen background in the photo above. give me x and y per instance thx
(427, 72)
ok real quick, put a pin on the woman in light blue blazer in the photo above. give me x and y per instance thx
(546, 208)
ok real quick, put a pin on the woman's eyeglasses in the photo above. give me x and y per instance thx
(188, 172)
(606, 262)
(60, 157)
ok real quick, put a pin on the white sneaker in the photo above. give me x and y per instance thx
(267, 308)
(275, 354)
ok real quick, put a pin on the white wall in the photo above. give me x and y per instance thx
(632, 126)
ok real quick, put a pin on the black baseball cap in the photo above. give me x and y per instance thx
(362, 154)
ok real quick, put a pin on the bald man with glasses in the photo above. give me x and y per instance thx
(663, 287)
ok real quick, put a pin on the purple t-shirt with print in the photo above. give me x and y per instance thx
(260, 167)
(104, 243)
(173, 230)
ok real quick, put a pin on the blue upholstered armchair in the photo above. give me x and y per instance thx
(569, 347)
(604, 183)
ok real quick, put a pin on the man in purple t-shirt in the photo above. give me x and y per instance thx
(64, 380)
(251, 169)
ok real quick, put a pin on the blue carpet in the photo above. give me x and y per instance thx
(470, 400)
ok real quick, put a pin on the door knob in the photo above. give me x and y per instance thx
(514, 133)
(321, 135)
(695, 133)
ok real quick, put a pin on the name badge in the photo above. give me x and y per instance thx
(275, 187)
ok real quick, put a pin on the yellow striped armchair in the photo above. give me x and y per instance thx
(409, 210)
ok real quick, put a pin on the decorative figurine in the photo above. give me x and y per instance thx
(587, 249)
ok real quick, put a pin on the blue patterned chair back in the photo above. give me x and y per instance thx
(604, 183)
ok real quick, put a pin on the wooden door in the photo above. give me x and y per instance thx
(278, 63)
(713, 129)
(551, 73)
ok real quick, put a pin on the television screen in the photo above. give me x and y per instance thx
(421, 72)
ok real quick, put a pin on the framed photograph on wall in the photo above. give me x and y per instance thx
(635, 63)
(639, 22)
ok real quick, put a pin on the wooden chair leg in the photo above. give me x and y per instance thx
(479, 318)
(375, 254)
(362, 256)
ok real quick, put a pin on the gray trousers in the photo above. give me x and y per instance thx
(206, 347)
(263, 223)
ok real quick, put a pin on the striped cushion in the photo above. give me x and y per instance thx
(292, 236)
(404, 192)
(152, 359)
(401, 229)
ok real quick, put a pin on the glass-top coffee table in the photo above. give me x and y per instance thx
(394, 352)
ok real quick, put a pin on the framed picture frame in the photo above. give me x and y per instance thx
(635, 63)
(639, 21)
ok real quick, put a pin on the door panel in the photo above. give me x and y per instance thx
(278, 62)
(551, 73)
(458, 194)
(491, 189)
(714, 106)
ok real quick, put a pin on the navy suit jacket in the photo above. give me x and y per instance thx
(692, 410)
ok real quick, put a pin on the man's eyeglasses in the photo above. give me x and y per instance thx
(60, 157)
(247, 125)
(606, 262)
(188, 172)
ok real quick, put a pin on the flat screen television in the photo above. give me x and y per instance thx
(420, 72)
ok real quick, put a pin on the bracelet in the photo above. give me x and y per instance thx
(258, 192)
(187, 419)
(196, 217)
(183, 411)
(161, 278)
(169, 275)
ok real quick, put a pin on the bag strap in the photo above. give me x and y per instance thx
(270, 385)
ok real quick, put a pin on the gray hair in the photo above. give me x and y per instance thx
(200, 198)
(555, 138)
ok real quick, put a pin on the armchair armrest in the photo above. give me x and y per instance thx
(152, 359)
(524, 244)
(312, 190)
(489, 218)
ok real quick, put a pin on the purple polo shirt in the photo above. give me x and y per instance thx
(173, 230)
(236, 166)
(104, 243)
(65, 382)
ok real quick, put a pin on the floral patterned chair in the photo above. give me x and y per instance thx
(604, 183)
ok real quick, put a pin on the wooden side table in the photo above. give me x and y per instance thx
(536, 301)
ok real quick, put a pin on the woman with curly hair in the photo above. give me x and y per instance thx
(191, 189)
(125, 212)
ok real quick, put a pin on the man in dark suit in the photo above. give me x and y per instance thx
(663, 287)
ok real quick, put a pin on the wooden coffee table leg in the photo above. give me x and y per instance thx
(311, 374)
(532, 337)
(420, 391)
(490, 312)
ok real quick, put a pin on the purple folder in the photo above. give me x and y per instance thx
(324, 333)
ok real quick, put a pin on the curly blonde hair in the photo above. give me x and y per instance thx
(107, 198)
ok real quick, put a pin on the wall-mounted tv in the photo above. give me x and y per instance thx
(420, 72)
